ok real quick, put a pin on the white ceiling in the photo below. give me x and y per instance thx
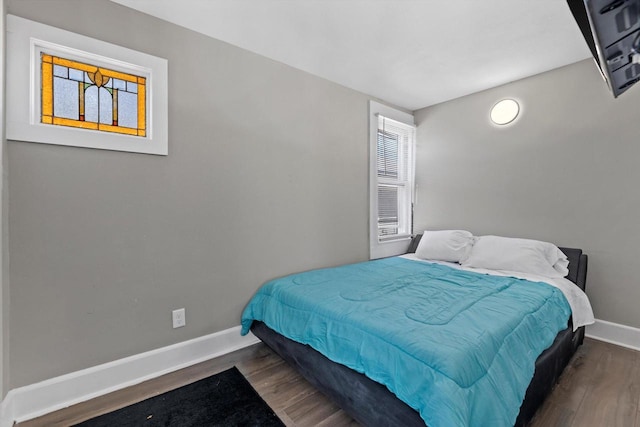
(412, 53)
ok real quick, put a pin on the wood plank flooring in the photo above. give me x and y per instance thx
(600, 387)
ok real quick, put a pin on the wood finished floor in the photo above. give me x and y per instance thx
(600, 387)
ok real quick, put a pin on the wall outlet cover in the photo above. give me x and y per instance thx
(179, 318)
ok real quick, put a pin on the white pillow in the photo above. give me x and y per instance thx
(445, 245)
(522, 255)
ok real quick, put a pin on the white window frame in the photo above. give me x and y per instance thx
(398, 244)
(26, 39)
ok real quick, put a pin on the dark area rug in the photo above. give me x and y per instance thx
(224, 399)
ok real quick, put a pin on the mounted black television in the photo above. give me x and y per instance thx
(612, 31)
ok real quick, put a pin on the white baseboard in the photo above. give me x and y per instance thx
(614, 333)
(34, 400)
(56, 393)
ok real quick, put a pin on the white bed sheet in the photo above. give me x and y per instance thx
(577, 299)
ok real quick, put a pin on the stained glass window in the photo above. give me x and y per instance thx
(86, 96)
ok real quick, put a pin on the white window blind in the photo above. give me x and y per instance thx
(395, 145)
(391, 170)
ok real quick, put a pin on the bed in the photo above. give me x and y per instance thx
(373, 404)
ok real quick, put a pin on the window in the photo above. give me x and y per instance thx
(85, 96)
(69, 89)
(391, 181)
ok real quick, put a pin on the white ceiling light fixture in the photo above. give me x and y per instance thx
(505, 111)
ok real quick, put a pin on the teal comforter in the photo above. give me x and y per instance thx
(457, 346)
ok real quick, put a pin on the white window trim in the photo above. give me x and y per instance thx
(400, 244)
(26, 38)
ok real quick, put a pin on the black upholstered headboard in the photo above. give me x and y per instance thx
(577, 266)
(414, 244)
(577, 262)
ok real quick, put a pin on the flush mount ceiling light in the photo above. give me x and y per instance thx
(505, 112)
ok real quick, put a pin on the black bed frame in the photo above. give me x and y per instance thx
(372, 404)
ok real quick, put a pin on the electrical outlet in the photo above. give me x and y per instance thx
(179, 318)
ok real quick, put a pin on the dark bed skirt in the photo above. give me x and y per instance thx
(372, 404)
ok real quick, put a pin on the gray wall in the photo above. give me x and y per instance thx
(4, 288)
(267, 174)
(566, 171)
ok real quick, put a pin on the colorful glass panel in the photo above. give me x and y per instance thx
(76, 75)
(127, 109)
(119, 84)
(132, 87)
(60, 71)
(65, 94)
(86, 96)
